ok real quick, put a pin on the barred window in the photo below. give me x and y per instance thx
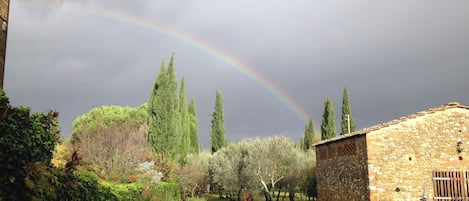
(324, 152)
(347, 148)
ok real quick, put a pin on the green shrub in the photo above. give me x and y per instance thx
(196, 199)
(24, 139)
(163, 191)
(83, 186)
(126, 192)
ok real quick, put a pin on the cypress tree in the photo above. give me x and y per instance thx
(218, 136)
(328, 121)
(308, 137)
(163, 122)
(155, 113)
(194, 132)
(184, 114)
(346, 114)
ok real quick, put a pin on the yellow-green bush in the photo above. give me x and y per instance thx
(126, 192)
(163, 191)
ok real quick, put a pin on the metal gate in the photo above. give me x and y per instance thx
(451, 185)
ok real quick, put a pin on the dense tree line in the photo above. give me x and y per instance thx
(157, 141)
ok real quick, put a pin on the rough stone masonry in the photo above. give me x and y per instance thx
(398, 160)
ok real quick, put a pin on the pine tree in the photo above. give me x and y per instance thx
(163, 122)
(308, 137)
(194, 132)
(328, 121)
(218, 135)
(184, 147)
(346, 115)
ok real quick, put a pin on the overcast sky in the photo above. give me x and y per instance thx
(395, 57)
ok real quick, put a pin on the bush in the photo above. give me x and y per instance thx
(24, 139)
(83, 186)
(126, 192)
(163, 191)
(196, 199)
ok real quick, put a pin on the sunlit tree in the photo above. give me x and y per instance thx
(185, 135)
(218, 135)
(328, 121)
(347, 118)
(163, 107)
(193, 126)
(308, 136)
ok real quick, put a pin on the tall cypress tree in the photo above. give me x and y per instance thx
(308, 137)
(346, 115)
(328, 121)
(184, 115)
(194, 132)
(218, 135)
(163, 122)
(155, 113)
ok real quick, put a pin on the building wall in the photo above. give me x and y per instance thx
(4, 5)
(401, 157)
(342, 170)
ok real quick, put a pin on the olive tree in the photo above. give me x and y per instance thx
(229, 169)
(270, 165)
(192, 176)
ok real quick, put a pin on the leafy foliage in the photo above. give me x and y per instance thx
(346, 115)
(192, 176)
(308, 137)
(311, 182)
(112, 138)
(27, 142)
(82, 186)
(125, 192)
(25, 139)
(194, 132)
(163, 117)
(328, 121)
(163, 191)
(218, 135)
(268, 164)
(185, 135)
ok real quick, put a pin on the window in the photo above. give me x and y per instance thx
(450, 185)
(347, 148)
(325, 152)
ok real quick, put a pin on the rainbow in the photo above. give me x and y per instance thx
(168, 31)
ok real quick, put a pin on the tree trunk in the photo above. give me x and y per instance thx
(291, 195)
(267, 196)
(278, 194)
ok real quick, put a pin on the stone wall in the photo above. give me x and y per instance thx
(342, 170)
(401, 157)
(3, 36)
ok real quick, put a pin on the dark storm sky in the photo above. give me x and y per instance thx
(395, 57)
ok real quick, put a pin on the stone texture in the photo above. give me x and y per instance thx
(395, 160)
(4, 6)
(343, 176)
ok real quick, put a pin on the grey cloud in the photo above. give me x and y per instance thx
(395, 57)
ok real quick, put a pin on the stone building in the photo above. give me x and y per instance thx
(425, 154)
(4, 7)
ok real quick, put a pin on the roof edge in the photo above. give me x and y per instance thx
(364, 131)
